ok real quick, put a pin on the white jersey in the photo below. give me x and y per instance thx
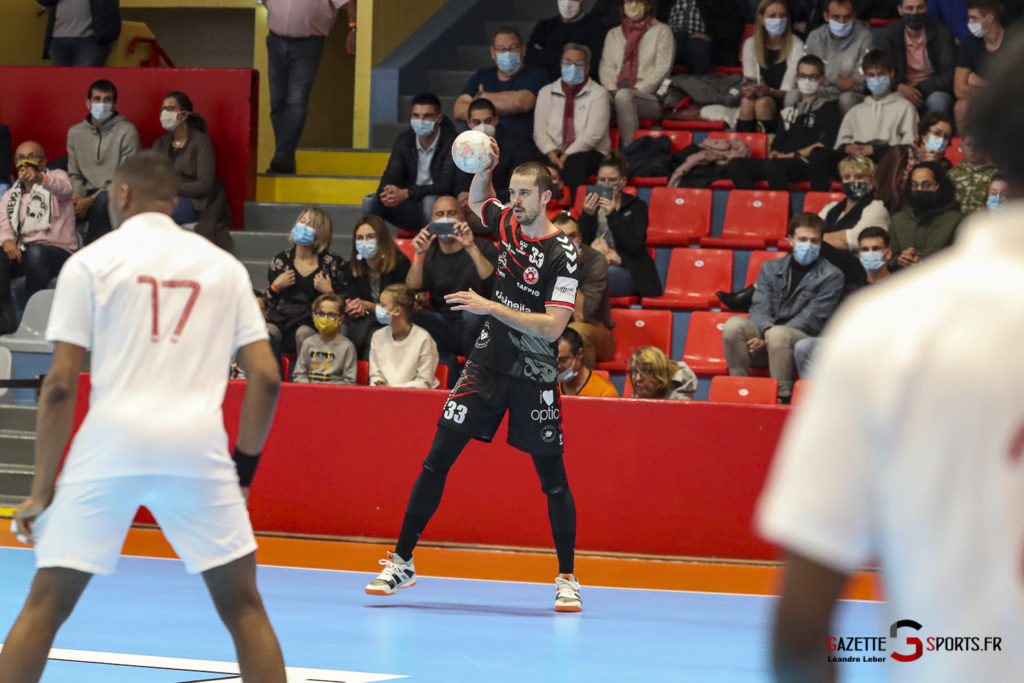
(909, 450)
(163, 310)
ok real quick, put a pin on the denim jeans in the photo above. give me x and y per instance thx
(78, 52)
(39, 263)
(98, 218)
(291, 68)
(185, 212)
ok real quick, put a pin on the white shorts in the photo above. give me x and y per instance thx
(206, 522)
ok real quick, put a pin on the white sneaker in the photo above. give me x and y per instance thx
(567, 594)
(398, 573)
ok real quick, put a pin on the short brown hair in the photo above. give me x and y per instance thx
(539, 172)
(805, 219)
(329, 298)
(386, 247)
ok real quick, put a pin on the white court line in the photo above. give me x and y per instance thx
(295, 674)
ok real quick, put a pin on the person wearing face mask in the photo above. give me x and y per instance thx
(637, 56)
(574, 377)
(844, 220)
(841, 43)
(445, 264)
(483, 117)
(770, 60)
(929, 222)
(570, 25)
(298, 275)
(570, 126)
(376, 263)
(511, 84)
(201, 198)
(924, 54)
(972, 176)
(997, 189)
(934, 131)
(401, 354)
(803, 138)
(419, 170)
(984, 21)
(653, 375)
(592, 318)
(793, 298)
(882, 120)
(96, 147)
(326, 357)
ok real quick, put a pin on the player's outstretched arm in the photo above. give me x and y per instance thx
(802, 623)
(263, 384)
(54, 420)
(548, 325)
(482, 187)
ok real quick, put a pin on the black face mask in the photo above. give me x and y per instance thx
(923, 201)
(856, 190)
(915, 22)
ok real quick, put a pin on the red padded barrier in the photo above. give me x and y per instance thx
(40, 103)
(330, 468)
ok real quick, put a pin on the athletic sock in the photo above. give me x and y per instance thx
(562, 513)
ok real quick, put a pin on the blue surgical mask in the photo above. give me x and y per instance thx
(383, 317)
(422, 128)
(878, 84)
(366, 249)
(995, 203)
(509, 61)
(775, 27)
(936, 144)
(873, 261)
(805, 253)
(101, 111)
(572, 74)
(840, 29)
(303, 234)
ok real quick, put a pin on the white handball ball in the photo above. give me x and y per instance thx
(471, 151)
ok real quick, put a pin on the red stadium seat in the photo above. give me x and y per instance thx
(699, 124)
(953, 152)
(816, 201)
(635, 328)
(758, 142)
(405, 246)
(800, 387)
(286, 368)
(725, 389)
(678, 216)
(624, 301)
(703, 351)
(757, 259)
(442, 376)
(753, 219)
(694, 275)
(581, 194)
(362, 372)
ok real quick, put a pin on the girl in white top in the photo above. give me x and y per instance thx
(769, 57)
(401, 354)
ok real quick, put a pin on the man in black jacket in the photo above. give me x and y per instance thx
(420, 168)
(930, 89)
(806, 132)
(81, 32)
(570, 25)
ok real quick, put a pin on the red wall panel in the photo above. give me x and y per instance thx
(40, 103)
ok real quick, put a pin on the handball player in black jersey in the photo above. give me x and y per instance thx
(513, 367)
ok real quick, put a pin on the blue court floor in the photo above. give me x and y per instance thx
(153, 623)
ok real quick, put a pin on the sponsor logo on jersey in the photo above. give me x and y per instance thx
(548, 396)
(484, 339)
(551, 412)
(565, 290)
(530, 276)
(526, 289)
(512, 304)
(548, 433)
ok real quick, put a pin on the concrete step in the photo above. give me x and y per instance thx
(257, 273)
(384, 134)
(17, 447)
(405, 109)
(9, 503)
(17, 418)
(342, 162)
(314, 189)
(448, 82)
(279, 218)
(263, 246)
(15, 484)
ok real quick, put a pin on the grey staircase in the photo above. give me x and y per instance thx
(17, 452)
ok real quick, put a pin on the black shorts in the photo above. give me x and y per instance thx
(480, 398)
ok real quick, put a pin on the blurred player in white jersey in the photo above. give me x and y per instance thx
(909, 450)
(162, 310)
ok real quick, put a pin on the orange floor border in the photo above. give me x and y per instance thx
(509, 565)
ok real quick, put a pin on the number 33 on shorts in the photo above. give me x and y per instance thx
(456, 412)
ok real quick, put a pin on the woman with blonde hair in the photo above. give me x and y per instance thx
(770, 59)
(376, 264)
(653, 374)
(401, 354)
(861, 209)
(298, 275)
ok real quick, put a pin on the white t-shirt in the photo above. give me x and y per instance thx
(163, 311)
(908, 450)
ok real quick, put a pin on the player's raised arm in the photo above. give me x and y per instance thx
(482, 187)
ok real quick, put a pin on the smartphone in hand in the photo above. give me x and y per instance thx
(442, 229)
(603, 191)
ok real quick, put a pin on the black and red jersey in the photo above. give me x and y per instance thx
(531, 275)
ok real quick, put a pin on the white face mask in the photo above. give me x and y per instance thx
(808, 86)
(569, 8)
(977, 30)
(486, 128)
(839, 29)
(567, 375)
(169, 120)
(101, 111)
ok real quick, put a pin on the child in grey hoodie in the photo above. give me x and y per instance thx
(329, 357)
